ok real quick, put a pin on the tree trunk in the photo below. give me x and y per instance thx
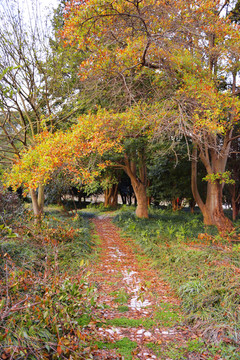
(139, 185)
(149, 200)
(235, 210)
(130, 199)
(212, 209)
(110, 196)
(114, 199)
(123, 197)
(41, 197)
(142, 201)
(192, 204)
(174, 205)
(213, 213)
(107, 195)
(36, 209)
(235, 203)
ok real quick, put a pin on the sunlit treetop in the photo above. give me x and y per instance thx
(125, 35)
(192, 42)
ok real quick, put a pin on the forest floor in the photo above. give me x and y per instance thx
(140, 315)
(80, 287)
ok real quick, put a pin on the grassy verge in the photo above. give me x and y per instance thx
(44, 287)
(203, 267)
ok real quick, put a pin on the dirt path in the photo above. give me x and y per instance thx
(140, 312)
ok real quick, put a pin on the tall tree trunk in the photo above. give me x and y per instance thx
(212, 209)
(114, 199)
(142, 200)
(139, 184)
(36, 209)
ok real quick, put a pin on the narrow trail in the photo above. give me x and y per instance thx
(138, 305)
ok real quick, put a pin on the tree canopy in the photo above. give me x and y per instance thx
(175, 61)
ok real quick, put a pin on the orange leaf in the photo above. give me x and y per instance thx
(59, 349)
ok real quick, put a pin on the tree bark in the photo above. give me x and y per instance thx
(41, 197)
(142, 200)
(110, 196)
(212, 209)
(139, 184)
(214, 214)
(235, 210)
(36, 209)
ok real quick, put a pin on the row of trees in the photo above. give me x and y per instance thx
(142, 80)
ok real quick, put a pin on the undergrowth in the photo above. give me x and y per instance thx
(44, 287)
(202, 266)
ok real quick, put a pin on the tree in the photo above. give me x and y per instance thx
(99, 140)
(38, 86)
(190, 46)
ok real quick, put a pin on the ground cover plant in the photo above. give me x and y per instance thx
(201, 265)
(44, 287)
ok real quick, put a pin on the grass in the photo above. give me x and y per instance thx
(167, 318)
(204, 269)
(134, 323)
(123, 308)
(193, 349)
(124, 346)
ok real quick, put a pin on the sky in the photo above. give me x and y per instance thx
(28, 7)
(43, 4)
(50, 3)
(33, 11)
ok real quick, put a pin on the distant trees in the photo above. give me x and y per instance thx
(169, 175)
